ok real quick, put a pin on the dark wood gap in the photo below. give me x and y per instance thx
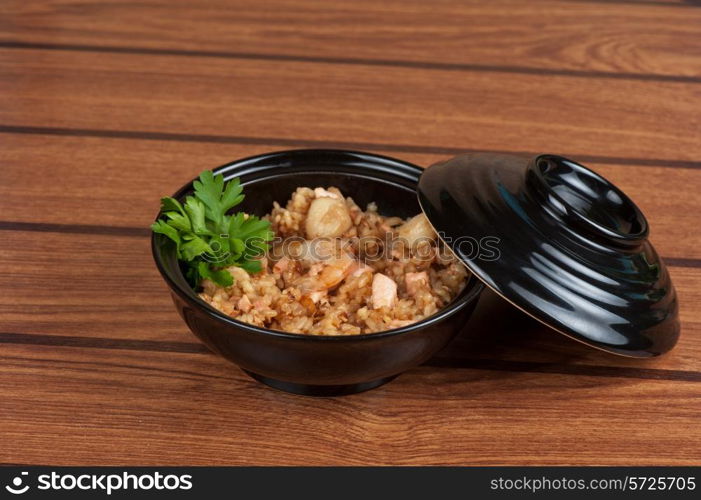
(103, 343)
(438, 362)
(91, 363)
(397, 63)
(566, 369)
(313, 143)
(681, 262)
(41, 227)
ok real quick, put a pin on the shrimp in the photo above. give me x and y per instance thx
(327, 218)
(384, 291)
(311, 252)
(332, 273)
(415, 281)
(415, 230)
(335, 272)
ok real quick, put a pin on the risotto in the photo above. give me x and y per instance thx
(335, 269)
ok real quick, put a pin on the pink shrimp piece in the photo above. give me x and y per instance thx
(326, 276)
(415, 282)
(336, 272)
(384, 291)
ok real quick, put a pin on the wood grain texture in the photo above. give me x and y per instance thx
(96, 194)
(611, 38)
(106, 106)
(484, 111)
(131, 407)
(110, 289)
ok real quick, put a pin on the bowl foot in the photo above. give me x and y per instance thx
(319, 390)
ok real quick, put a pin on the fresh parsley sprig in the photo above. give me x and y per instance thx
(209, 240)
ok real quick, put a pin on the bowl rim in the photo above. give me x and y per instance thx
(472, 289)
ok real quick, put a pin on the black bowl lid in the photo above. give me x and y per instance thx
(559, 242)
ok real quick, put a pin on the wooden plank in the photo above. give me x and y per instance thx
(96, 407)
(611, 37)
(118, 182)
(95, 364)
(109, 288)
(335, 102)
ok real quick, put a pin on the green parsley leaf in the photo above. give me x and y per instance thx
(221, 277)
(169, 204)
(163, 228)
(209, 190)
(195, 211)
(232, 195)
(193, 247)
(178, 221)
(251, 266)
(207, 238)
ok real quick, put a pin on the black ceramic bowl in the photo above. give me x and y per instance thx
(317, 365)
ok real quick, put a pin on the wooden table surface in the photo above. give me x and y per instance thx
(105, 106)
